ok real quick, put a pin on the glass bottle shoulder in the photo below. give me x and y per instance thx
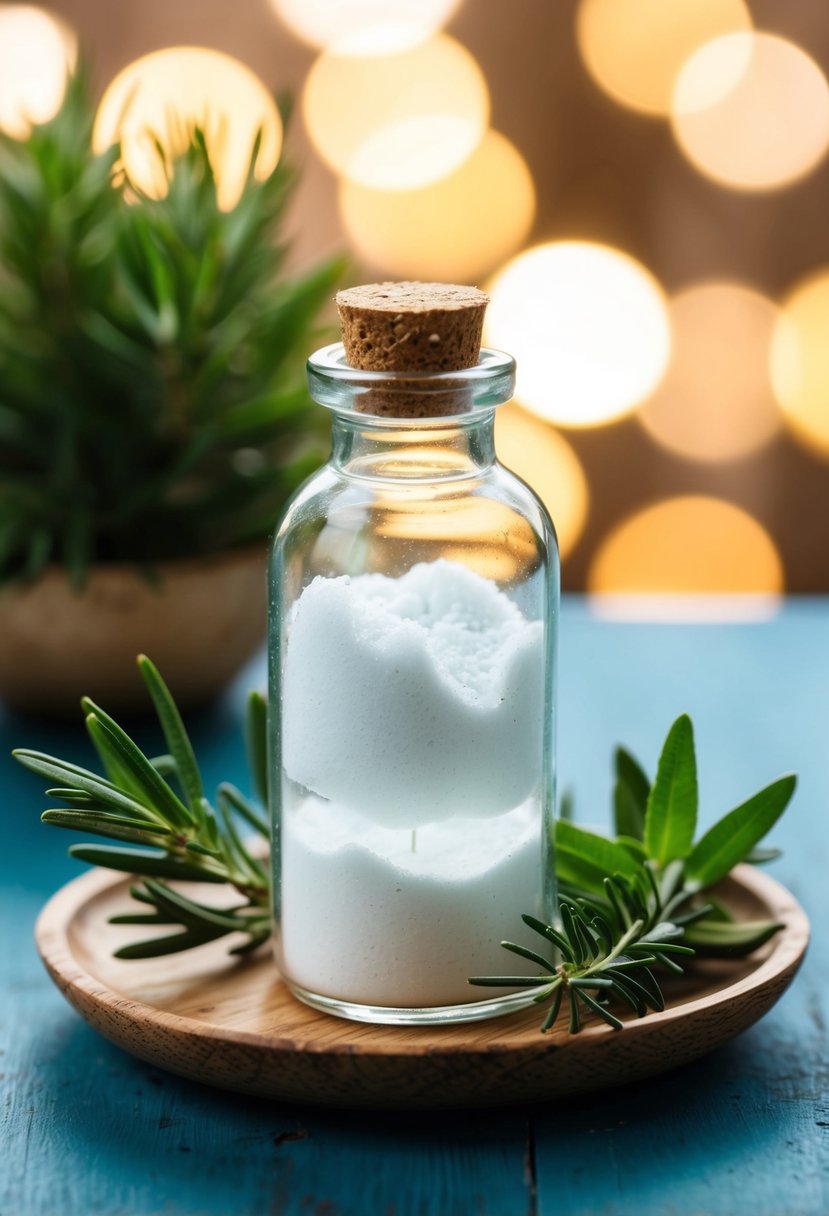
(492, 522)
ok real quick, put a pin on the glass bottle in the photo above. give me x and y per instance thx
(413, 620)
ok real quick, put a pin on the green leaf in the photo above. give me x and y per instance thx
(509, 981)
(128, 755)
(717, 937)
(191, 912)
(99, 789)
(584, 859)
(761, 857)
(114, 769)
(241, 805)
(717, 910)
(74, 797)
(549, 1021)
(165, 766)
(630, 796)
(177, 738)
(543, 963)
(250, 867)
(257, 744)
(736, 834)
(173, 944)
(633, 846)
(145, 862)
(603, 1013)
(115, 827)
(671, 813)
(550, 934)
(142, 918)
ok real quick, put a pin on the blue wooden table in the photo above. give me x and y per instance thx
(87, 1129)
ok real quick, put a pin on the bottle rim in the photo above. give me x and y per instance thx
(351, 391)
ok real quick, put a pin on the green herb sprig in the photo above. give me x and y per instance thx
(169, 830)
(635, 902)
(628, 905)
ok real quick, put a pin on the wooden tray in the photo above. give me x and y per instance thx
(233, 1024)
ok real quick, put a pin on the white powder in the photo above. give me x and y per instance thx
(367, 920)
(415, 699)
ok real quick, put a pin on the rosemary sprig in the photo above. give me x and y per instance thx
(634, 903)
(166, 828)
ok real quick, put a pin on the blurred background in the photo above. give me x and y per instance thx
(642, 187)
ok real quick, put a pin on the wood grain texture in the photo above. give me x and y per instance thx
(232, 1023)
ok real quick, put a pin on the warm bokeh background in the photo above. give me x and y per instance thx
(673, 338)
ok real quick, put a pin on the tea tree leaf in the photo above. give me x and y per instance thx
(721, 938)
(584, 858)
(671, 813)
(630, 796)
(730, 840)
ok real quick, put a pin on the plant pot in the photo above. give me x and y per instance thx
(199, 622)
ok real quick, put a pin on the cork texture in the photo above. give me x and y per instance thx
(414, 327)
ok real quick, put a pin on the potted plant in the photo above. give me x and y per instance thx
(153, 414)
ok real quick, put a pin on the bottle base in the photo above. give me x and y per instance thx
(431, 1015)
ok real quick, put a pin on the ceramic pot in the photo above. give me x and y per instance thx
(199, 622)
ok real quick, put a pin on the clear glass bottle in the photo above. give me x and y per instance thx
(413, 620)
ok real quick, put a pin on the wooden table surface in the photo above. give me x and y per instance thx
(86, 1129)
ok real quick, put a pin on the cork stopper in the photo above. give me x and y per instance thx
(412, 327)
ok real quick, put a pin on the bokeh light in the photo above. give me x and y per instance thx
(751, 111)
(486, 536)
(688, 547)
(716, 402)
(165, 95)
(634, 49)
(455, 229)
(546, 461)
(588, 326)
(800, 360)
(397, 121)
(325, 23)
(37, 53)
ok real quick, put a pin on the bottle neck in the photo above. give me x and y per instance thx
(396, 450)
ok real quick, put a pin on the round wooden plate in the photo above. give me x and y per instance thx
(233, 1024)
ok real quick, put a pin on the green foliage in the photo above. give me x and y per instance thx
(628, 906)
(152, 395)
(173, 831)
(633, 903)
(671, 810)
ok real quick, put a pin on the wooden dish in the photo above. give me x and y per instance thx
(233, 1024)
